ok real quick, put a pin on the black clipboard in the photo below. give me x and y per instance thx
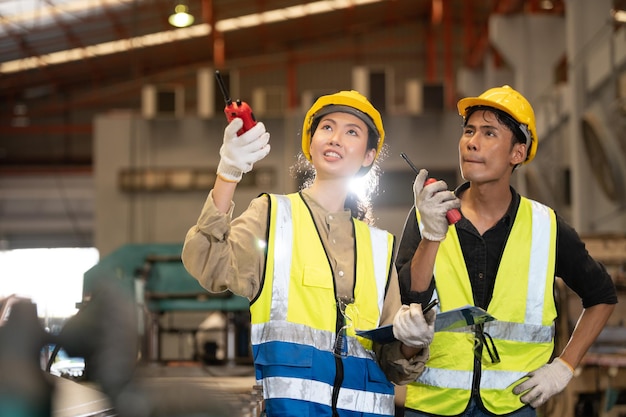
(446, 321)
(384, 334)
(461, 317)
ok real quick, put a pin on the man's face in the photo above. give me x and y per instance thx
(486, 149)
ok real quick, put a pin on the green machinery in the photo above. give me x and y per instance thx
(159, 283)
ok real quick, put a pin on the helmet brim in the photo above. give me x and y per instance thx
(346, 101)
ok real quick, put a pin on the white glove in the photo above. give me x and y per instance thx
(545, 382)
(433, 202)
(412, 328)
(239, 153)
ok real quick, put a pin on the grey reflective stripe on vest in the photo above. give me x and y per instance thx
(499, 380)
(520, 332)
(447, 378)
(538, 263)
(379, 251)
(283, 331)
(283, 247)
(321, 393)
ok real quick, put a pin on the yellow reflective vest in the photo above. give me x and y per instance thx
(523, 333)
(295, 319)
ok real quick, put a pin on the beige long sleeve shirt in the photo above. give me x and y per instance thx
(230, 255)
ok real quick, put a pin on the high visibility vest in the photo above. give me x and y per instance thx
(294, 320)
(523, 304)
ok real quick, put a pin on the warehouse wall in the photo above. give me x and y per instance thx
(55, 208)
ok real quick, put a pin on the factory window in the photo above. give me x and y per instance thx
(51, 278)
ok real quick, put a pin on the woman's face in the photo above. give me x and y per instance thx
(339, 146)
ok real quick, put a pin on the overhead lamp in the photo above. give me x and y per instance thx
(619, 15)
(181, 18)
(546, 4)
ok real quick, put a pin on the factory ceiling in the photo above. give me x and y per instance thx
(59, 58)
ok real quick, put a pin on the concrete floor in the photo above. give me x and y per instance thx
(166, 391)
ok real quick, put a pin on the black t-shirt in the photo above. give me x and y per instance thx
(578, 270)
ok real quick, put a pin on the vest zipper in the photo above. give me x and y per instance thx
(477, 369)
(340, 322)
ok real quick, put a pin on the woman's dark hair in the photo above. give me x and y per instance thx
(360, 207)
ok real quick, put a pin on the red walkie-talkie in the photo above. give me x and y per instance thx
(453, 215)
(237, 109)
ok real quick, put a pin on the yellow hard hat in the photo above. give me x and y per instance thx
(511, 102)
(351, 102)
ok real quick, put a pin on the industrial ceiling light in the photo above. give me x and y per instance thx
(181, 18)
(546, 4)
(619, 15)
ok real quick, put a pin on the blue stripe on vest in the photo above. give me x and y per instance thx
(289, 407)
(301, 361)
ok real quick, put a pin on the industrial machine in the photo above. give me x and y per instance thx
(157, 280)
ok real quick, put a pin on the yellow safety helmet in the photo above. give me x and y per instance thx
(351, 102)
(511, 102)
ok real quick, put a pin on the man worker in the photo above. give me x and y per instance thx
(502, 256)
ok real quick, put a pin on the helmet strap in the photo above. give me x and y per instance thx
(524, 129)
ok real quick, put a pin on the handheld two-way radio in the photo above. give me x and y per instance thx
(453, 215)
(237, 109)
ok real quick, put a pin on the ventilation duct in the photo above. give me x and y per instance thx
(604, 137)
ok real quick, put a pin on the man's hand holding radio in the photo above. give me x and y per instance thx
(239, 153)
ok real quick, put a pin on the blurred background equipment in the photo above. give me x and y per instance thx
(114, 382)
(604, 135)
(24, 388)
(599, 384)
(171, 306)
